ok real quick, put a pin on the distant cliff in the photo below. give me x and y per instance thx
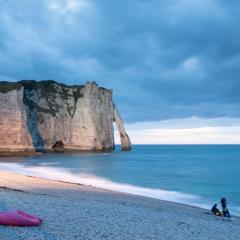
(47, 115)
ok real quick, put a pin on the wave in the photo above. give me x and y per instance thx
(49, 164)
(64, 175)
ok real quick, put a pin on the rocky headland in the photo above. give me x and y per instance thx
(51, 116)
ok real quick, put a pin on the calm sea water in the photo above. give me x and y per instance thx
(194, 174)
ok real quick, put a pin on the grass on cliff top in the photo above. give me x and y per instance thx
(9, 86)
(44, 84)
(48, 90)
(6, 86)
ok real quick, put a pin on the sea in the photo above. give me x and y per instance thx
(198, 175)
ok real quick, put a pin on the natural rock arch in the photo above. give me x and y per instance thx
(124, 138)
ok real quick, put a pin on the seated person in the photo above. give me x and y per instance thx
(226, 213)
(216, 211)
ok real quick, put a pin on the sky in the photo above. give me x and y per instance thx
(170, 63)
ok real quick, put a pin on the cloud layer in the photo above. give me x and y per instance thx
(164, 59)
(185, 131)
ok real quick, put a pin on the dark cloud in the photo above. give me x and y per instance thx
(164, 59)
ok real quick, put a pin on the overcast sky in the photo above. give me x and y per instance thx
(164, 60)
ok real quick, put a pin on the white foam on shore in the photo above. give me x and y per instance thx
(60, 174)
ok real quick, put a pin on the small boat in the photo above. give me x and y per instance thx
(19, 218)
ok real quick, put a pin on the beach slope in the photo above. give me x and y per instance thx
(72, 211)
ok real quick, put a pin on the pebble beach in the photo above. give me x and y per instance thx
(73, 211)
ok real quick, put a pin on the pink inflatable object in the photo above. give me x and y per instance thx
(19, 218)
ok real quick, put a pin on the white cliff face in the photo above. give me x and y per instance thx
(35, 115)
(93, 118)
(125, 140)
(14, 135)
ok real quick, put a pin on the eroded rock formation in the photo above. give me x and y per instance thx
(125, 140)
(36, 115)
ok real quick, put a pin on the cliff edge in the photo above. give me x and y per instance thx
(50, 116)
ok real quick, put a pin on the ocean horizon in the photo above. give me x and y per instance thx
(194, 174)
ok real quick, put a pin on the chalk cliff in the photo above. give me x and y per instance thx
(37, 115)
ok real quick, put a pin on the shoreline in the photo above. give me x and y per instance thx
(97, 182)
(76, 211)
(101, 189)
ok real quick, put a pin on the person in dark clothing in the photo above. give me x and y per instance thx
(216, 211)
(226, 213)
(224, 204)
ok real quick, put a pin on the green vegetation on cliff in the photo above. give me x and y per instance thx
(51, 92)
(9, 86)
